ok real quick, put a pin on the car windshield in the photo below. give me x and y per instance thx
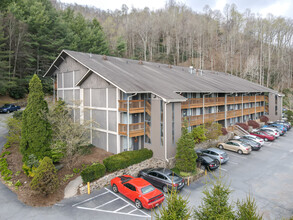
(147, 189)
(173, 176)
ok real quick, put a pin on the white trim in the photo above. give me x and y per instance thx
(73, 88)
(63, 86)
(81, 106)
(118, 120)
(75, 84)
(100, 108)
(107, 120)
(104, 130)
(91, 116)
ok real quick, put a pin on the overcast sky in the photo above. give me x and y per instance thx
(276, 7)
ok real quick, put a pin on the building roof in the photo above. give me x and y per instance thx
(165, 81)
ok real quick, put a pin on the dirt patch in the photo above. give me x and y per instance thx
(7, 99)
(29, 197)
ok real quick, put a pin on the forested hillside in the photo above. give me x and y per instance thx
(33, 32)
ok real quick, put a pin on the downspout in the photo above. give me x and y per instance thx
(165, 133)
(225, 110)
(203, 112)
(128, 141)
(255, 106)
(242, 110)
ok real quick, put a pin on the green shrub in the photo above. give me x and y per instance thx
(67, 177)
(17, 115)
(17, 92)
(126, 159)
(7, 145)
(85, 150)
(5, 153)
(18, 183)
(198, 134)
(29, 171)
(76, 170)
(45, 180)
(58, 151)
(5, 172)
(14, 130)
(93, 172)
(213, 130)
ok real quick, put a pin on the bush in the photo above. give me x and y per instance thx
(5, 153)
(243, 126)
(5, 172)
(253, 123)
(198, 134)
(17, 92)
(93, 172)
(18, 183)
(213, 130)
(185, 153)
(224, 131)
(126, 159)
(17, 115)
(45, 180)
(7, 145)
(14, 130)
(176, 208)
(264, 119)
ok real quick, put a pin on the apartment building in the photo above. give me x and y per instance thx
(137, 104)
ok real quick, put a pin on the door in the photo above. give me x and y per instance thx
(152, 178)
(130, 191)
(229, 145)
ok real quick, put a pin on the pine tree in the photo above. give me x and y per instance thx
(185, 153)
(36, 131)
(45, 180)
(176, 208)
(215, 204)
(247, 209)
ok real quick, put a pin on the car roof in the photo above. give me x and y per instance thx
(163, 170)
(207, 158)
(139, 182)
(215, 150)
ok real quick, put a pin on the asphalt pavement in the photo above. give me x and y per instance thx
(266, 174)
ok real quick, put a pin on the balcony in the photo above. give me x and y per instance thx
(135, 106)
(198, 119)
(217, 101)
(135, 129)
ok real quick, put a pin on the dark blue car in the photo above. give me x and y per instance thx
(7, 108)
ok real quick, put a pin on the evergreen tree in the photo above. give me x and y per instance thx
(185, 153)
(120, 47)
(176, 208)
(3, 58)
(36, 131)
(215, 204)
(247, 209)
(45, 180)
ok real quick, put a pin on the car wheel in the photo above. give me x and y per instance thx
(115, 188)
(218, 162)
(240, 152)
(8, 112)
(165, 189)
(221, 146)
(202, 167)
(266, 139)
(138, 204)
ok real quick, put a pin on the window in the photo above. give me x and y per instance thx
(162, 177)
(162, 122)
(173, 124)
(153, 174)
(129, 186)
(147, 189)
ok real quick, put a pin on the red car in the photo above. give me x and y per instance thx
(263, 135)
(140, 191)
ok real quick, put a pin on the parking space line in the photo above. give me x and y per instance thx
(122, 213)
(127, 202)
(223, 169)
(131, 211)
(232, 155)
(232, 162)
(106, 203)
(121, 208)
(89, 199)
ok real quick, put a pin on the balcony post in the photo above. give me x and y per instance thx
(225, 110)
(128, 119)
(255, 106)
(242, 110)
(203, 109)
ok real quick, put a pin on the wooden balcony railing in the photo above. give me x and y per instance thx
(147, 130)
(135, 129)
(216, 101)
(198, 119)
(148, 108)
(135, 106)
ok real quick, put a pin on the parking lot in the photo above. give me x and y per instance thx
(266, 174)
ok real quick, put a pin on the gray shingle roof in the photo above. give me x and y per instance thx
(160, 79)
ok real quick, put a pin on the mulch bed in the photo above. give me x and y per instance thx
(30, 197)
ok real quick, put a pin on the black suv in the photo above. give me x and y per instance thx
(162, 178)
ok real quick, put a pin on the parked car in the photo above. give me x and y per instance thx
(263, 135)
(282, 127)
(162, 178)
(237, 146)
(254, 138)
(271, 131)
(140, 191)
(283, 122)
(7, 108)
(214, 153)
(207, 163)
(253, 144)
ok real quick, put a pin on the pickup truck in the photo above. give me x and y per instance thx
(7, 108)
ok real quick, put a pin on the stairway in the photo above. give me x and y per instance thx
(239, 131)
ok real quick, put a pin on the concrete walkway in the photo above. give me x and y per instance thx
(72, 188)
